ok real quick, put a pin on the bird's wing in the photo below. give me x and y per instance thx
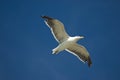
(57, 29)
(80, 52)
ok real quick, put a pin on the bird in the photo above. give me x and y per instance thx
(65, 41)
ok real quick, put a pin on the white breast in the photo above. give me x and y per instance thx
(64, 45)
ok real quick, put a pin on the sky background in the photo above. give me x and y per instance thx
(26, 42)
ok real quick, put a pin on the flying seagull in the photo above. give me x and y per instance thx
(65, 41)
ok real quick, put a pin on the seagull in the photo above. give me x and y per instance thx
(65, 41)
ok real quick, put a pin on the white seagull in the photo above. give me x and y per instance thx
(65, 41)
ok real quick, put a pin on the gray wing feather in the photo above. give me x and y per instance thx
(57, 29)
(80, 52)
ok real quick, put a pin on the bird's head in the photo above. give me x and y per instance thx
(78, 38)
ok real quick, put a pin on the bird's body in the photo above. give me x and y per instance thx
(65, 41)
(65, 44)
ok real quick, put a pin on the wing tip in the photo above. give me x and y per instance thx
(89, 62)
(46, 17)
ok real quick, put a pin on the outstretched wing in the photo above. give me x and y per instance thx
(57, 29)
(80, 52)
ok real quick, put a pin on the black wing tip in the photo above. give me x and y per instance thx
(89, 62)
(46, 17)
(43, 16)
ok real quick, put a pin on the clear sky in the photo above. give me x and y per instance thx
(26, 42)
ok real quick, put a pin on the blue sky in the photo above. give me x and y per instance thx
(26, 42)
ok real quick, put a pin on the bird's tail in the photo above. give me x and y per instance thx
(89, 61)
